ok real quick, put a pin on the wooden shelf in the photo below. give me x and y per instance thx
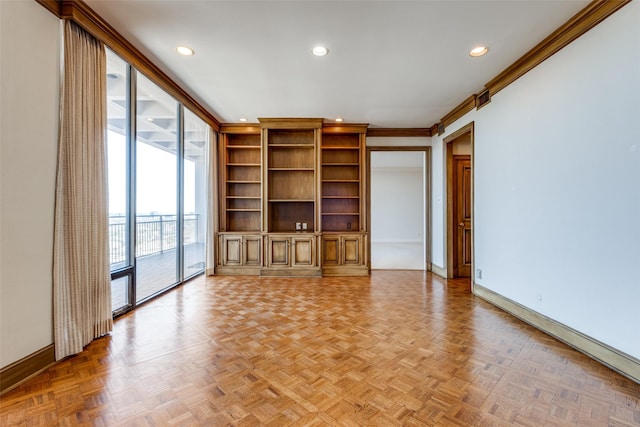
(244, 164)
(340, 197)
(290, 200)
(243, 147)
(340, 180)
(340, 213)
(244, 197)
(291, 145)
(244, 210)
(292, 169)
(242, 182)
(341, 164)
(341, 148)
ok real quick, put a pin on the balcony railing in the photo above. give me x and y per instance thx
(154, 234)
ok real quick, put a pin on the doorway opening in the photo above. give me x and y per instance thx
(459, 165)
(399, 214)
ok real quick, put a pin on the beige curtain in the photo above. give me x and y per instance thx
(212, 202)
(81, 272)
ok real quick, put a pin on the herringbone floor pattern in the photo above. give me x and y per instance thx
(396, 348)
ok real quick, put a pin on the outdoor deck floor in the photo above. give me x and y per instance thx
(157, 272)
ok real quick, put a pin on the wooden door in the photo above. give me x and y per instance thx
(462, 216)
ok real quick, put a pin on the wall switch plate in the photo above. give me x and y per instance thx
(478, 273)
(298, 226)
(304, 225)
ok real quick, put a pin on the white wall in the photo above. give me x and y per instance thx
(397, 197)
(557, 185)
(29, 79)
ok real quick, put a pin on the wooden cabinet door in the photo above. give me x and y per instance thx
(330, 250)
(351, 250)
(303, 252)
(231, 250)
(252, 251)
(278, 251)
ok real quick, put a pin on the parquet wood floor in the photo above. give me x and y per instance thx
(396, 348)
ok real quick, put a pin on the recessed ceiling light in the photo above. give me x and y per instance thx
(150, 119)
(320, 51)
(478, 51)
(339, 119)
(185, 50)
(243, 119)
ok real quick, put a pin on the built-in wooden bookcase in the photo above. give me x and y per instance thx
(292, 199)
(291, 174)
(342, 179)
(242, 189)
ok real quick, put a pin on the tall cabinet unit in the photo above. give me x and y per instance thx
(290, 157)
(240, 247)
(343, 216)
(292, 199)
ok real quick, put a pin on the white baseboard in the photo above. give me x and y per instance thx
(442, 272)
(620, 362)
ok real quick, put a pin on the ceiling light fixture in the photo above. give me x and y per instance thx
(478, 51)
(319, 51)
(150, 119)
(185, 50)
(339, 119)
(243, 119)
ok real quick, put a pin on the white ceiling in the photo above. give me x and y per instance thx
(392, 63)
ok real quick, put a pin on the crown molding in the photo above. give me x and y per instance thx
(80, 13)
(399, 132)
(463, 108)
(594, 13)
(590, 16)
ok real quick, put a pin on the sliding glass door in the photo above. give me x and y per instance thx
(157, 154)
(195, 193)
(156, 189)
(118, 161)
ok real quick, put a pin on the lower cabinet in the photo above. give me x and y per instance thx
(344, 254)
(239, 253)
(291, 255)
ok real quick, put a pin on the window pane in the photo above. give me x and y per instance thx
(156, 189)
(117, 160)
(195, 192)
(119, 293)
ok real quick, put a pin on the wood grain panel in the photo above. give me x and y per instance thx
(351, 250)
(18, 371)
(303, 253)
(330, 250)
(253, 250)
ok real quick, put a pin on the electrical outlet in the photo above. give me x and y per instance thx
(298, 226)
(478, 273)
(304, 225)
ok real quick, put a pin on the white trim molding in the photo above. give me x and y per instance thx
(442, 272)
